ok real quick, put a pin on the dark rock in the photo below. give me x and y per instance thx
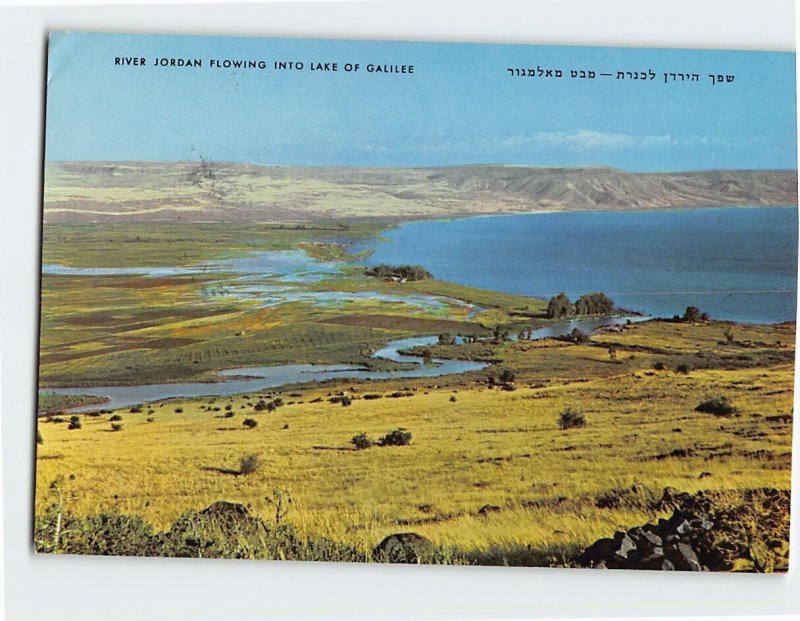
(683, 528)
(683, 557)
(624, 545)
(486, 509)
(667, 565)
(223, 508)
(600, 549)
(705, 532)
(652, 538)
(403, 548)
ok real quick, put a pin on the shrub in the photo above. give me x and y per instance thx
(683, 368)
(571, 419)
(248, 464)
(361, 441)
(228, 407)
(718, 406)
(229, 414)
(659, 366)
(346, 401)
(116, 426)
(369, 396)
(576, 336)
(150, 419)
(178, 410)
(74, 422)
(249, 423)
(507, 376)
(398, 437)
(452, 398)
(116, 417)
(136, 409)
(270, 406)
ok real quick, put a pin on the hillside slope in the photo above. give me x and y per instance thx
(188, 191)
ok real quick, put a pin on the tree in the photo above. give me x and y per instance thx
(447, 339)
(399, 272)
(500, 335)
(692, 314)
(559, 306)
(597, 303)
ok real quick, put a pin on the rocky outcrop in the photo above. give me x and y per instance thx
(403, 548)
(706, 532)
(665, 546)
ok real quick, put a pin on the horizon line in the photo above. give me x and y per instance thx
(411, 166)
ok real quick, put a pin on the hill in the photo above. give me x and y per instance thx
(227, 192)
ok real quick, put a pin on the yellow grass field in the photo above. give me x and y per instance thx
(488, 470)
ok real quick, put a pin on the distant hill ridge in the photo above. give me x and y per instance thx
(209, 191)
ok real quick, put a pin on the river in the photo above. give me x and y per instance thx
(254, 379)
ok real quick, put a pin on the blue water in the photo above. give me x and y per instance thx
(733, 263)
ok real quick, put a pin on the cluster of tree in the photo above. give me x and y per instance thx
(692, 314)
(597, 303)
(399, 272)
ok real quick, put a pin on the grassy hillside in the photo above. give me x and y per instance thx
(489, 472)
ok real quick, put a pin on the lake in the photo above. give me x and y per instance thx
(736, 263)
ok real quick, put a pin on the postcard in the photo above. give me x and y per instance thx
(377, 301)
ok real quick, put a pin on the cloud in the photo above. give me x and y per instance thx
(581, 141)
(593, 140)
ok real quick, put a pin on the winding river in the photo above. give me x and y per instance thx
(254, 379)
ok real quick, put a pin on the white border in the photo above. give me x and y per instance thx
(154, 589)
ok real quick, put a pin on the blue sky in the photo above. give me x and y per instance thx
(460, 106)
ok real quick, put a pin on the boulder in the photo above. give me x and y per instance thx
(403, 548)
